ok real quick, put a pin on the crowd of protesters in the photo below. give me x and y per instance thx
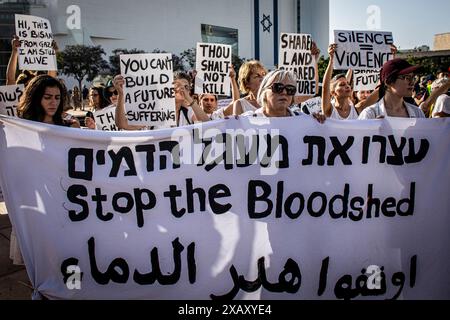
(401, 92)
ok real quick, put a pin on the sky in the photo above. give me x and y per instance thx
(412, 22)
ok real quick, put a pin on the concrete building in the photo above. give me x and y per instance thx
(441, 41)
(252, 27)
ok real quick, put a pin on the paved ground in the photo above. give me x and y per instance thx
(14, 283)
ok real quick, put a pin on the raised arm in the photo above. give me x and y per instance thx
(12, 64)
(371, 100)
(326, 93)
(199, 114)
(426, 105)
(120, 118)
(234, 85)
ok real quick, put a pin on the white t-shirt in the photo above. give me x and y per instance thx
(379, 109)
(246, 105)
(260, 113)
(442, 105)
(353, 115)
(183, 120)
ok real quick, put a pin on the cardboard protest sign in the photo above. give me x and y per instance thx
(311, 106)
(105, 119)
(36, 43)
(9, 99)
(213, 62)
(149, 91)
(362, 50)
(238, 209)
(365, 79)
(295, 55)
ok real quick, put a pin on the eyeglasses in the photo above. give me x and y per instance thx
(408, 78)
(113, 93)
(279, 88)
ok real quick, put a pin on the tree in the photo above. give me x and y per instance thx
(177, 61)
(114, 61)
(429, 65)
(82, 62)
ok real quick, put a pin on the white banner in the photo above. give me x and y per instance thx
(365, 79)
(213, 62)
(295, 55)
(9, 99)
(149, 91)
(325, 212)
(36, 43)
(362, 50)
(105, 119)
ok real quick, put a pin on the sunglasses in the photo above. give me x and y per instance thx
(113, 93)
(279, 88)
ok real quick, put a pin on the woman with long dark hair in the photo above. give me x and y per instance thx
(43, 101)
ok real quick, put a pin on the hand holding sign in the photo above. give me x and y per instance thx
(15, 43)
(213, 63)
(362, 50)
(297, 53)
(36, 43)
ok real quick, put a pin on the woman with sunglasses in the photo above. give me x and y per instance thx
(397, 83)
(276, 95)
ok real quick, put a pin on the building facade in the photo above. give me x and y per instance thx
(252, 27)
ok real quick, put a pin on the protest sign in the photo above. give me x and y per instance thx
(36, 43)
(9, 99)
(233, 209)
(105, 119)
(149, 91)
(311, 106)
(365, 79)
(213, 63)
(362, 50)
(295, 55)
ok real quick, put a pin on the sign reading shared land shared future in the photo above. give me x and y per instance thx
(295, 55)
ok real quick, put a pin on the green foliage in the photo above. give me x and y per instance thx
(82, 62)
(323, 64)
(114, 61)
(430, 65)
(177, 61)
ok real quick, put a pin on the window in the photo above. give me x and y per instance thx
(222, 35)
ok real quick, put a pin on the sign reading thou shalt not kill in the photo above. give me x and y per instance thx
(362, 50)
(213, 63)
(36, 43)
(148, 89)
(295, 55)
